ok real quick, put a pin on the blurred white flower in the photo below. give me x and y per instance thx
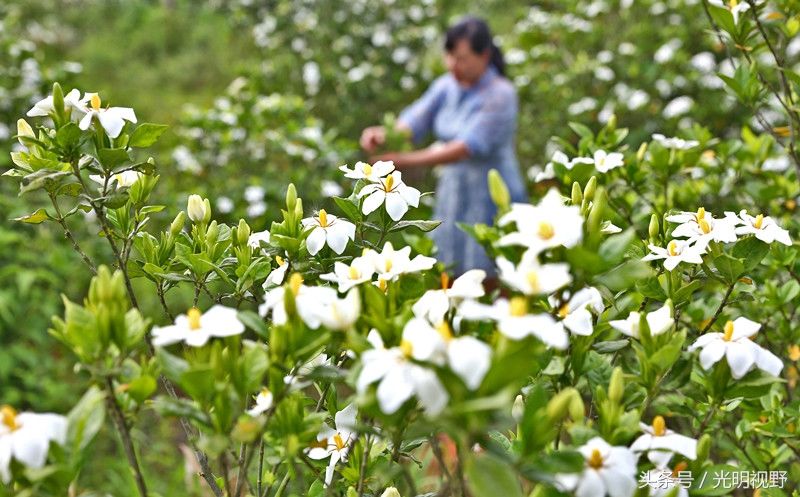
(72, 100)
(676, 143)
(515, 322)
(763, 227)
(576, 314)
(123, 179)
(548, 224)
(608, 471)
(360, 270)
(196, 328)
(334, 443)
(26, 437)
(661, 443)
(372, 173)
(532, 278)
(677, 251)
(263, 402)
(659, 322)
(605, 162)
(277, 275)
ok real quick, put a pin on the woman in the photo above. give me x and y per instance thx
(472, 110)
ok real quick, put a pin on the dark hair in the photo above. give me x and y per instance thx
(477, 32)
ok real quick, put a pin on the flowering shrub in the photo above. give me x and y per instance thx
(642, 336)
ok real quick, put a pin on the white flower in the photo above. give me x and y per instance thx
(468, 357)
(327, 228)
(608, 471)
(663, 481)
(434, 304)
(514, 321)
(372, 173)
(72, 100)
(605, 162)
(548, 224)
(332, 312)
(360, 270)
(532, 278)
(661, 443)
(392, 192)
(391, 263)
(400, 378)
(26, 437)
(677, 251)
(295, 378)
(701, 228)
(195, 327)
(277, 275)
(335, 443)
(763, 227)
(576, 316)
(123, 179)
(196, 208)
(255, 239)
(734, 343)
(674, 142)
(263, 402)
(736, 7)
(112, 119)
(658, 322)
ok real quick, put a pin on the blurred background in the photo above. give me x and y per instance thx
(261, 93)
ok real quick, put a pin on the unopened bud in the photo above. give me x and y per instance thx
(558, 406)
(390, 492)
(518, 409)
(177, 224)
(577, 194)
(298, 208)
(612, 122)
(499, 191)
(640, 153)
(212, 233)
(577, 409)
(24, 130)
(243, 232)
(616, 387)
(196, 208)
(291, 197)
(654, 228)
(591, 187)
(207, 206)
(703, 447)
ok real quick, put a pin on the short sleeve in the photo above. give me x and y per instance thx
(419, 115)
(493, 121)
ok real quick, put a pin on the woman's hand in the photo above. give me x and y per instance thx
(372, 138)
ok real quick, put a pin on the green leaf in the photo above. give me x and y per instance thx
(729, 267)
(349, 209)
(37, 217)
(142, 388)
(421, 225)
(68, 135)
(612, 250)
(86, 419)
(146, 134)
(751, 250)
(582, 130)
(112, 157)
(254, 322)
(488, 476)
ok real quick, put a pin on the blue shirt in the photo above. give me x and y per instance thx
(484, 116)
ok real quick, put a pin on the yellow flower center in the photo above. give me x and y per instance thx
(406, 348)
(367, 169)
(546, 230)
(563, 311)
(733, 4)
(387, 265)
(728, 331)
(445, 331)
(445, 280)
(672, 248)
(758, 221)
(8, 416)
(354, 273)
(659, 426)
(533, 281)
(382, 284)
(701, 214)
(596, 459)
(295, 280)
(279, 260)
(95, 101)
(388, 183)
(323, 218)
(518, 306)
(264, 392)
(704, 226)
(194, 315)
(794, 352)
(337, 439)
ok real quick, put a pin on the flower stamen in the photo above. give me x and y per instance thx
(659, 426)
(337, 439)
(518, 306)
(95, 101)
(8, 417)
(759, 221)
(596, 459)
(546, 230)
(194, 315)
(445, 331)
(323, 218)
(672, 248)
(728, 331)
(406, 348)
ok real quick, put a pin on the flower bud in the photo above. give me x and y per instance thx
(577, 194)
(654, 229)
(591, 187)
(291, 197)
(177, 224)
(612, 122)
(207, 206)
(298, 209)
(558, 406)
(703, 447)
(196, 208)
(577, 410)
(58, 99)
(518, 409)
(390, 492)
(24, 130)
(616, 387)
(243, 232)
(640, 153)
(499, 191)
(212, 233)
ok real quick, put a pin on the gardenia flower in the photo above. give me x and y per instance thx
(677, 251)
(661, 443)
(197, 207)
(327, 228)
(123, 179)
(316, 305)
(72, 100)
(532, 278)
(399, 377)
(763, 227)
(335, 443)
(605, 162)
(26, 437)
(372, 173)
(674, 142)
(576, 316)
(434, 304)
(548, 224)
(737, 7)
(514, 321)
(392, 192)
(112, 119)
(657, 321)
(468, 357)
(360, 270)
(195, 327)
(263, 402)
(608, 471)
(700, 228)
(277, 275)
(662, 481)
(391, 263)
(734, 343)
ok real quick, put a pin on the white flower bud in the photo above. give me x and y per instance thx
(196, 208)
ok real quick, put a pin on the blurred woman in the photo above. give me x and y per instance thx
(472, 113)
